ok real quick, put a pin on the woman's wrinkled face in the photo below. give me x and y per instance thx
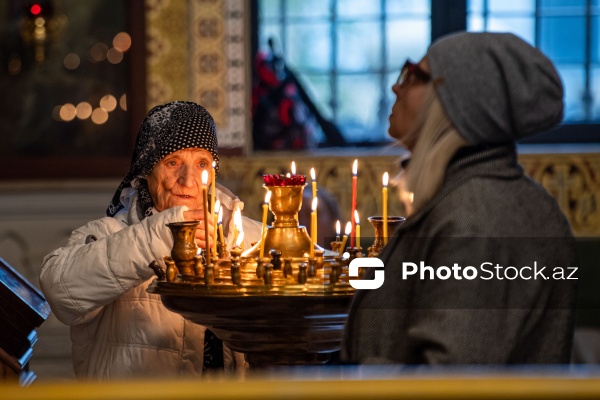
(176, 180)
(410, 97)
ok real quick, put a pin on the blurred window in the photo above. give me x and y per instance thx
(347, 53)
(568, 31)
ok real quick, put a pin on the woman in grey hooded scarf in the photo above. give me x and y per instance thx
(478, 273)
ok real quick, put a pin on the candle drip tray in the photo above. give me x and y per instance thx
(289, 324)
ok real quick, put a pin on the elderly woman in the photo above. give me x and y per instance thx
(97, 282)
(481, 271)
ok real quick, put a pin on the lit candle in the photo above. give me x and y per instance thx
(313, 227)
(213, 186)
(354, 182)
(347, 232)
(238, 228)
(205, 206)
(293, 168)
(240, 240)
(384, 193)
(236, 225)
(220, 225)
(357, 222)
(216, 206)
(338, 228)
(313, 176)
(264, 224)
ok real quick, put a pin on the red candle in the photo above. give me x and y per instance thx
(354, 182)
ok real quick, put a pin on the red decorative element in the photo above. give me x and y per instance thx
(286, 108)
(282, 180)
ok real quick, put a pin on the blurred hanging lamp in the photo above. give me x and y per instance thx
(41, 24)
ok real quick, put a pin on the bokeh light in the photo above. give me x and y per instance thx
(99, 116)
(108, 102)
(14, 64)
(122, 41)
(114, 56)
(98, 52)
(84, 110)
(68, 112)
(35, 9)
(71, 61)
(123, 102)
(56, 113)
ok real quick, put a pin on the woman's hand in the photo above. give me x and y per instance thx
(198, 215)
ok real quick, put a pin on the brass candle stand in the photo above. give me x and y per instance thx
(285, 308)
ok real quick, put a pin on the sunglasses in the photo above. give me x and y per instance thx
(409, 70)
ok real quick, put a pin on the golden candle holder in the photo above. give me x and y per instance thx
(183, 255)
(285, 308)
(393, 223)
(286, 233)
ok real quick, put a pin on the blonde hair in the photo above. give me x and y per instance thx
(436, 140)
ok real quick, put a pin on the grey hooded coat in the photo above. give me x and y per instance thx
(487, 214)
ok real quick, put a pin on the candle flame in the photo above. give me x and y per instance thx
(338, 227)
(356, 219)
(293, 167)
(386, 178)
(237, 220)
(217, 207)
(220, 218)
(268, 197)
(314, 203)
(312, 174)
(355, 167)
(214, 164)
(205, 177)
(240, 239)
(348, 229)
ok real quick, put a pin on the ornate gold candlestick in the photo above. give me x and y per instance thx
(286, 234)
(377, 221)
(184, 249)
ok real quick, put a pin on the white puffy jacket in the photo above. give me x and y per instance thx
(97, 285)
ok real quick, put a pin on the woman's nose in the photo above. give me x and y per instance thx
(186, 178)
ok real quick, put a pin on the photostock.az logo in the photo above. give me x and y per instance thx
(366, 262)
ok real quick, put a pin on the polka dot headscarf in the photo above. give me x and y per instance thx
(167, 128)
